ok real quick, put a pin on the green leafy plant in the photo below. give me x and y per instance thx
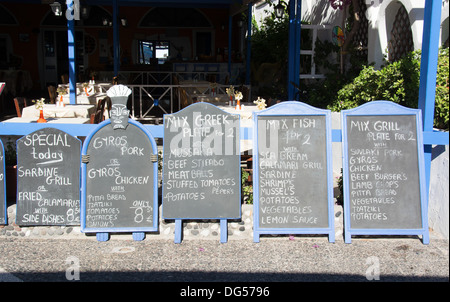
(397, 82)
(10, 154)
(39, 104)
(340, 197)
(247, 190)
(441, 114)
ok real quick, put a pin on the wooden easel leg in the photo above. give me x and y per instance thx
(255, 237)
(331, 236)
(223, 231)
(178, 230)
(102, 237)
(426, 237)
(347, 237)
(138, 236)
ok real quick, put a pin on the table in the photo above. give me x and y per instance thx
(83, 99)
(69, 111)
(194, 88)
(77, 120)
(215, 100)
(99, 87)
(246, 111)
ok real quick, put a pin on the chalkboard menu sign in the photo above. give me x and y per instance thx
(48, 178)
(383, 170)
(201, 171)
(119, 180)
(293, 171)
(3, 214)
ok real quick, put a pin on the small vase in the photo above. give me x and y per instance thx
(238, 105)
(61, 102)
(41, 117)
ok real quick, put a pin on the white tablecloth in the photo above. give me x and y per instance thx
(83, 99)
(246, 111)
(50, 120)
(69, 111)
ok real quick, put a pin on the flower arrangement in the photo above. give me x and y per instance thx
(238, 96)
(86, 86)
(230, 92)
(61, 91)
(260, 103)
(39, 104)
(213, 86)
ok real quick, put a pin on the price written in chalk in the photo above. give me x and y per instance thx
(48, 178)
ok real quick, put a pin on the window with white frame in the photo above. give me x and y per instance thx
(153, 51)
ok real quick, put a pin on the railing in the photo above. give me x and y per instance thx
(149, 102)
(163, 77)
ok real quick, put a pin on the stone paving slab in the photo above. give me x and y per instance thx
(274, 259)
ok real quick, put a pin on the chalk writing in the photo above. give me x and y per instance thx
(292, 166)
(383, 172)
(119, 179)
(201, 163)
(48, 178)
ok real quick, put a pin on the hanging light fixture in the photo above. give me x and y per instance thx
(124, 21)
(56, 8)
(279, 9)
(85, 10)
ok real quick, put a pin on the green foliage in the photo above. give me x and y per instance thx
(270, 42)
(340, 197)
(397, 82)
(441, 113)
(10, 153)
(247, 190)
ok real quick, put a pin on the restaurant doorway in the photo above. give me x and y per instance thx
(56, 56)
(203, 44)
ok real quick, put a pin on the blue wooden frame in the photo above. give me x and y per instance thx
(293, 108)
(384, 108)
(138, 232)
(223, 221)
(4, 183)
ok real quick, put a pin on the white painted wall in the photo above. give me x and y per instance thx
(439, 198)
(380, 14)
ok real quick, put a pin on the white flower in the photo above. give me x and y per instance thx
(260, 103)
(230, 91)
(238, 95)
(39, 104)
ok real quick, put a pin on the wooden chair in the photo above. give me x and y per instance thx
(65, 78)
(20, 103)
(99, 116)
(52, 93)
